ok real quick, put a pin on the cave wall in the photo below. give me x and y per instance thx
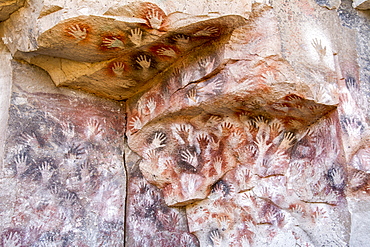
(185, 123)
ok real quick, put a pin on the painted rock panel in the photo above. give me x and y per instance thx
(215, 113)
(302, 203)
(150, 222)
(118, 59)
(249, 73)
(264, 139)
(62, 185)
(185, 155)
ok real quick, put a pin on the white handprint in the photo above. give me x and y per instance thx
(358, 179)
(151, 105)
(78, 32)
(68, 130)
(320, 49)
(287, 141)
(236, 138)
(260, 122)
(224, 222)
(158, 141)
(216, 238)
(85, 171)
(190, 183)
(45, 169)
(118, 68)
(262, 145)
(29, 139)
(269, 78)
(217, 164)
(21, 163)
(12, 239)
(186, 78)
(187, 241)
(337, 178)
(353, 127)
(93, 128)
(190, 158)
(135, 123)
(154, 18)
(136, 36)
(151, 155)
(144, 61)
(127, 83)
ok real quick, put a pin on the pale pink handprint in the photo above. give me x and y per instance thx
(207, 64)
(211, 88)
(151, 105)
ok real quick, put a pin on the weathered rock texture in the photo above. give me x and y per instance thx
(7, 7)
(245, 124)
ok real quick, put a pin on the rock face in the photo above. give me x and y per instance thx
(61, 184)
(8, 7)
(222, 123)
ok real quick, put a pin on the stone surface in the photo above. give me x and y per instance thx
(62, 186)
(7, 7)
(359, 22)
(330, 4)
(247, 124)
(361, 4)
(5, 93)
